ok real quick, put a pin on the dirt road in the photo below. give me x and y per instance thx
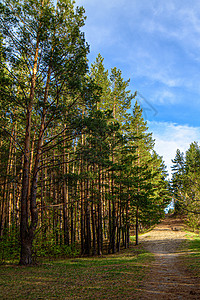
(167, 278)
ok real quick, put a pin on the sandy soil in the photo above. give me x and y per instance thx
(167, 278)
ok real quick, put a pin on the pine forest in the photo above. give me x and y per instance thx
(78, 169)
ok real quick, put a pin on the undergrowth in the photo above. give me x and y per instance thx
(47, 248)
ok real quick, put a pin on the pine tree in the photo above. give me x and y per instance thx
(146, 174)
(159, 194)
(192, 185)
(186, 185)
(178, 170)
(52, 68)
(100, 76)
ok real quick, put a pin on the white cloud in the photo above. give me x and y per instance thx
(175, 20)
(106, 3)
(163, 96)
(169, 137)
(157, 67)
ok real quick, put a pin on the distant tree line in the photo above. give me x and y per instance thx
(77, 167)
(186, 184)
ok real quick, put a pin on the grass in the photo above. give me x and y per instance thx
(191, 249)
(109, 277)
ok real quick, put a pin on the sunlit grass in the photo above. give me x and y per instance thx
(192, 256)
(110, 277)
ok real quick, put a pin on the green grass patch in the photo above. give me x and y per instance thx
(109, 277)
(192, 253)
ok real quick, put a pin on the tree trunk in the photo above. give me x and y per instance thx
(65, 194)
(26, 249)
(82, 210)
(136, 227)
(93, 229)
(26, 236)
(110, 218)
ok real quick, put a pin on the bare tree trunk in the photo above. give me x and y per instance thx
(93, 229)
(27, 232)
(82, 209)
(26, 235)
(65, 196)
(136, 226)
(99, 207)
(5, 205)
(110, 218)
(87, 215)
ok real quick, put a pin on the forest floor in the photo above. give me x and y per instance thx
(165, 265)
(114, 276)
(170, 276)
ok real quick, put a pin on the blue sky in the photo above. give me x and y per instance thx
(157, 45)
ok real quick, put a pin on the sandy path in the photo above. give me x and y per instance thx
(167, 278)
